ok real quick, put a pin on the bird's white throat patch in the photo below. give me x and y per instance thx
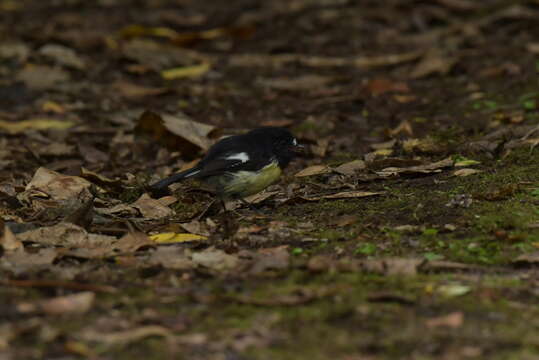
(242, 156)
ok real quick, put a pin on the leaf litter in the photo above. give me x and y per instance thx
(361, 229)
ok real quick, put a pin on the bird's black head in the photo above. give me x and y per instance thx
(281, 141)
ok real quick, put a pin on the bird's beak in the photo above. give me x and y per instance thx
(298, 149)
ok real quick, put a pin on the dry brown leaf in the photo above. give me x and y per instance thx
(57, 186)
(8, 241)
(41, 77)
(158, 56)
(215, 259)
(300, 83)
(260, 197)
(321, 147)
(434, 62)
(23, 261)
(403, 128)
(133, 91)
(63, 55)
(79, 303)
(533, 47)
(55, 149)
(393, 266)
(350, 168)
(176, 132)
(297, 297)
(466, 172)
(527, 258)
(151, 208)
(321, 61)
(132, 242)
(379, 86)
(67, 235)
(346, 195)
(277, 258)
(171, 257)
(384, 145)
(453, 320)
(313, 170)
(434, 167)
(123, 337)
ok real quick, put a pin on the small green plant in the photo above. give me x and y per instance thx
(366, 249)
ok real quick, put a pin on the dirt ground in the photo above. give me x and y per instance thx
(409, 230)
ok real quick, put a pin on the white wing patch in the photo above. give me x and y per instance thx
(192, 174)
(242, 156)
(295, 142)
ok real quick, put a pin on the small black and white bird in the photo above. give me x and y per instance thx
(241, 165)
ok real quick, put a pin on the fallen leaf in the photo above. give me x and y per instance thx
(133, 91)
(131, 242)
(321, 147)
(14, 51)
(176, 132)
(151, 208)
(393, 266)
(300, 83)
(157, 56)
(434, 167)
(8, 241)
(186, 71)
(79, 303)
(215, 259)
(466, 172)
(321, 61)
(533, 47)
(453, 289)
(531, 258)
(55, 149)
(348, 195)
(171, 238)
(466, 162)
(23, 261)
(313, 170)
(453, 320)
(403, 128)
(294, 298)
(426, 145)
(41, 77)
(379, 86)
(67, 235)
(277, 258)
(34, 124)
(123, 337)
(434, 62)
(384, 145)
(56, 186)
(171, 258)
(260, 197)
(350, 168)
(63, 55)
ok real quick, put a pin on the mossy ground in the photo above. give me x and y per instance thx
(484, 307)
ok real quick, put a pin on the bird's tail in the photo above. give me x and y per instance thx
(164, 183)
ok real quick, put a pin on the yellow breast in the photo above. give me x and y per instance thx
(245, 183)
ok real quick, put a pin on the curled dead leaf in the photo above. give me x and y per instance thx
(313, 170)
(177, 132)
(465, 172)
(34, 124)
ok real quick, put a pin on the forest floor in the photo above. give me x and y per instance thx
(409, 230)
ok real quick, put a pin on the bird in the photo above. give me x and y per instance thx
(240, 165)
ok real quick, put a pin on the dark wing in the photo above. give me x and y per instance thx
(235, 153)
